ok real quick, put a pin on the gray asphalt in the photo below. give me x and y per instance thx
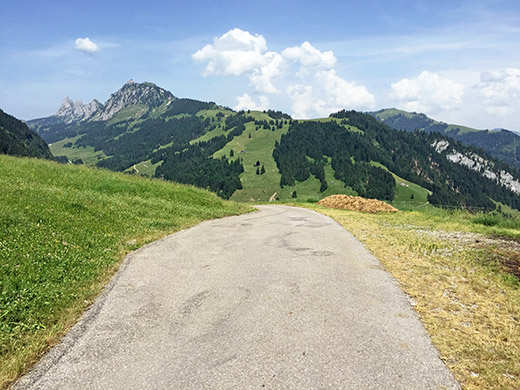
(283, 298)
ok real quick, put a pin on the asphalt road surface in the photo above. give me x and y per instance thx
(283, 298)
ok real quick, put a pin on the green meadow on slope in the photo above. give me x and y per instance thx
(256, 156)
(63, 231)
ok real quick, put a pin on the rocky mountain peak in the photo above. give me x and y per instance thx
(76, 112)
(132, 93)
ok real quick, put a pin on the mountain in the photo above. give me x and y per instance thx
(255, 156)
(131, 102)
(75, 112)
(134, 100)
(18, 140)
(499, 143)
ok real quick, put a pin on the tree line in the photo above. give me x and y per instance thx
(412, 157)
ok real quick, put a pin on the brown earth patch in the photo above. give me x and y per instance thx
(356, 203)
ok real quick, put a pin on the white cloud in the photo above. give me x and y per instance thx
(262, 78)
(233, 53)
(428, 93)
(245, 102)
(501, 91)
(328, 93)
(309, 56)
(301, 74)
(303, 101)
(86, 45)
(345, 94)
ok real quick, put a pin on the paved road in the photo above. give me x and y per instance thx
(283, 298)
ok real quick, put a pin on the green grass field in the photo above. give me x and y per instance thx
(260, 188)
(389, 112)
(87, 155)
(63, 231)
(408, 195)
(257, 148)
(463, 129)
(144, 168)
(131, 112)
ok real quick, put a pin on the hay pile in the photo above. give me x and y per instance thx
(356, 203)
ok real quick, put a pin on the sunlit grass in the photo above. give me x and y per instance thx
(63, 231)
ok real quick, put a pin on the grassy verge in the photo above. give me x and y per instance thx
(453, 265)
(88, 155)
(63, 231)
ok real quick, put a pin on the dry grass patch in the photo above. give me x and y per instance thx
(468, 304)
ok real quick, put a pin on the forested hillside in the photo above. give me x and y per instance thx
(413, 157)
(18, 140)
(305, 150)
(501, 144)
(257, 156)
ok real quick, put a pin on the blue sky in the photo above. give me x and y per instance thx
(457, 61)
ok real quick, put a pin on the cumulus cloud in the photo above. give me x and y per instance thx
(262, 78)
(86, 45)
(246, 102)
(345, 94)
(329, 93)
(428, 93)
(501, 91)
(303, 101)
(233, 53)
(309, 56)
(303, 74)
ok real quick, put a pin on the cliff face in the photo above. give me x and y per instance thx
(77, 112)
(132, 93)
(477, 163)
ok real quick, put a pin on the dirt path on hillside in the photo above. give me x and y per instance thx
(281, 298)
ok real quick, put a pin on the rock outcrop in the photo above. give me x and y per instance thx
(477, 163)
(147, 94)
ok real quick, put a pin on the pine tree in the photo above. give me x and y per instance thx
(231, 153)
(257, 171)
(262, 171)
(323, 186)
(294, 195)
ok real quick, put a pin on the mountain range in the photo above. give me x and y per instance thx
(257, 156)
(76, 112)
(500, 143)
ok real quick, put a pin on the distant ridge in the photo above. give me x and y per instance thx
(76, 112)
(499, 143)
(132, 101)
(250, 155)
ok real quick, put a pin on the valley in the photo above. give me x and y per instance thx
(143, 129)
(230, 195)
(455, 201)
